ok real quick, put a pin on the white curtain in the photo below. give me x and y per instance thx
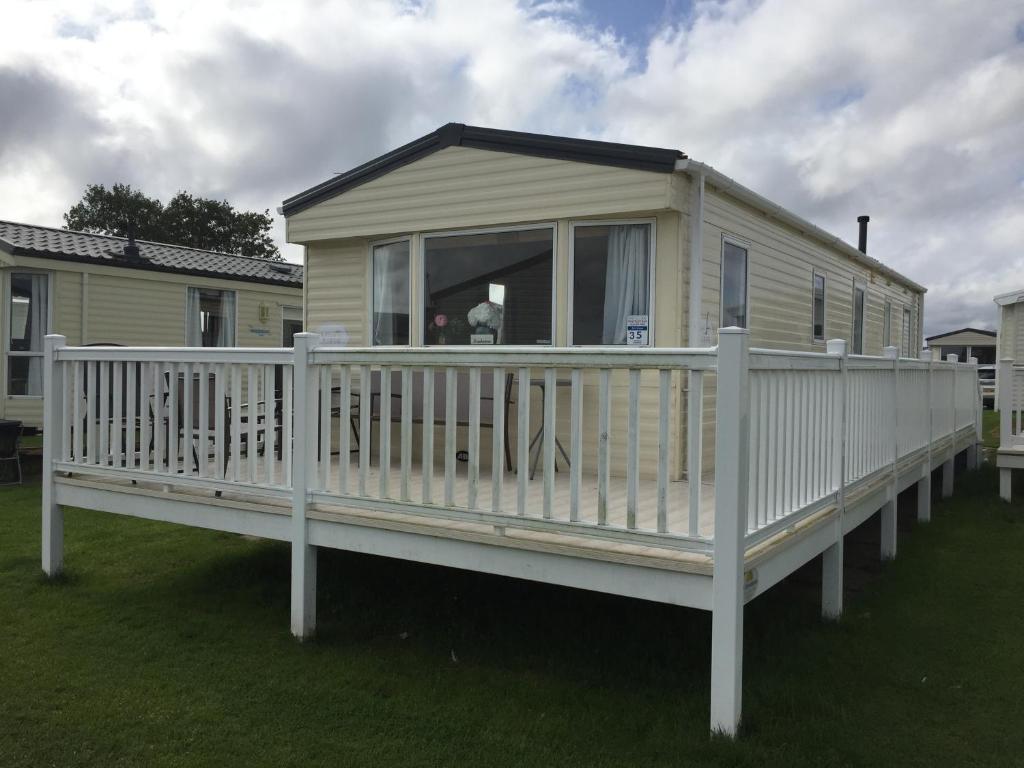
(226, 332)
(390, 289)
(627, 279)
(193, 319)
(37, 330)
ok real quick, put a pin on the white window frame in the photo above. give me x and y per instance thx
(858, 286)
(887, 324)
(745, 245)
(6, 320)
(213, 288)
(651, 284)
(285, 309)
(815, 274)
(422, 275)
(906, 331)
(369, 288)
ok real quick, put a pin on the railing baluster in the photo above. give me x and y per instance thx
(269, 423)
(575, 442)
(117, 416)
(365, 412)
(324, 404)
(763, 448)
(406, 431)
(604, 408)
(550, 396)
(385, 431)
(523, 439)
(79, 394)
(203, 436)
(344, 427)
(236, 419)
(252, 420)
(428, 435)
(633, 450)
(219, 419)
(131, 411)
(498, 439)
(65, 411)
(474, 436)
(104, 423)
(287, 421)
(450, 421)
(755, 378)
(694, 446)
(159, 419)
(664, 390)
(172, 418)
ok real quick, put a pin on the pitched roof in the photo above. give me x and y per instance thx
(982, 331)
(458, 135)
(67, 245)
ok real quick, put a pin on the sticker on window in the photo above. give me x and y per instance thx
(637, 330)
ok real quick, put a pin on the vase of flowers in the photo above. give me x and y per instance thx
(485, 319)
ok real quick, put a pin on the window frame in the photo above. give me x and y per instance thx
(815, 274)
(422, 272)
(746, 246)
(369, 288)
(906, 324)
(887, 325)
(212, 288)
(651, 284)
(5, 322)
(858, 286)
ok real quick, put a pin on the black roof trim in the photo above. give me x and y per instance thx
(962, 330)
(630, 156)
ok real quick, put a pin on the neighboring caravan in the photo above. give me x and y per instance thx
(96, 289)
(965, 344)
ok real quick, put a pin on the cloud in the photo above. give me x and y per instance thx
(909, 111)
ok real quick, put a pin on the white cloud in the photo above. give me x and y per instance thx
(909, 111)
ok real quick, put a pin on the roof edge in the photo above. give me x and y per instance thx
(636, 157)
(983, 331)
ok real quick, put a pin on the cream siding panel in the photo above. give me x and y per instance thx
(336, 290)
(462, 187)
(134, 312)
(966, 339)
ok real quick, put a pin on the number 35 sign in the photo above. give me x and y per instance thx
(637, 330)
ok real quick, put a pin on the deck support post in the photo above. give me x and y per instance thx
(832, 578)
(303, 591)
(832, 558)
(947, 478)
(53, 430)
(924, 496)
(1005, 483)
(888, 515)
(731, 477)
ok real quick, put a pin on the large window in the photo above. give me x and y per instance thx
(611, 284)
(858, 319)
(210, 318)
(734, 285)
(906, 332)
(818, 311)
(28, 324)
(390, 300)
(488, 287)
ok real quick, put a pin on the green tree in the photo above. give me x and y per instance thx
(196, 222)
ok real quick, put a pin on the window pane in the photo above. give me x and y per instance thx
(28, 321)
(211, 318)
(391, 293)
(734, 286)
(819, 307)
(611, 280)
(858, 321)
(489, 288)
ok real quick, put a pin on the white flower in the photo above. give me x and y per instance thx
(485, 314)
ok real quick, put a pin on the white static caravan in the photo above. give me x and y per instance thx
(674, 350)
(95, 289)
(1010, 387)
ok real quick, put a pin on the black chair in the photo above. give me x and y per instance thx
(10, 438)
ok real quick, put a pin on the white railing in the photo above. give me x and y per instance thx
(1011, 405)
(377, 429)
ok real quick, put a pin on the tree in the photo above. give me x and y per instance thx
(195, 222)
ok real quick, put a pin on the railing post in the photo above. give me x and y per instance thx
(1004, 395)
(924, 484)
(53, 514)
(304, 412)
(888, 515)
(947, 465)
(731, 477)
(832, 557)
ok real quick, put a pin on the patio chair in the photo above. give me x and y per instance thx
(10, 437)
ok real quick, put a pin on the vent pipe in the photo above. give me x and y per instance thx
(862, 237)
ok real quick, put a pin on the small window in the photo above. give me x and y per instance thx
(818, 315)
(390, 300)
(210, 318)
(734, 285)
(858, 319)
(906, 332)
(887, 325)
(611, 281)
(28, 324)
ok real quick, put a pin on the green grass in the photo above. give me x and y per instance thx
(169, 646)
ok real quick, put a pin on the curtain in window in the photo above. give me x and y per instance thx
(226, 332)
(626, 279)
(193, 319)
(37, 330)
(390, 291)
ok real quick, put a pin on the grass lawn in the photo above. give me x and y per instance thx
(169, 646)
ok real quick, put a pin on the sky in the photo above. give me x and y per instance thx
(911, 112)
